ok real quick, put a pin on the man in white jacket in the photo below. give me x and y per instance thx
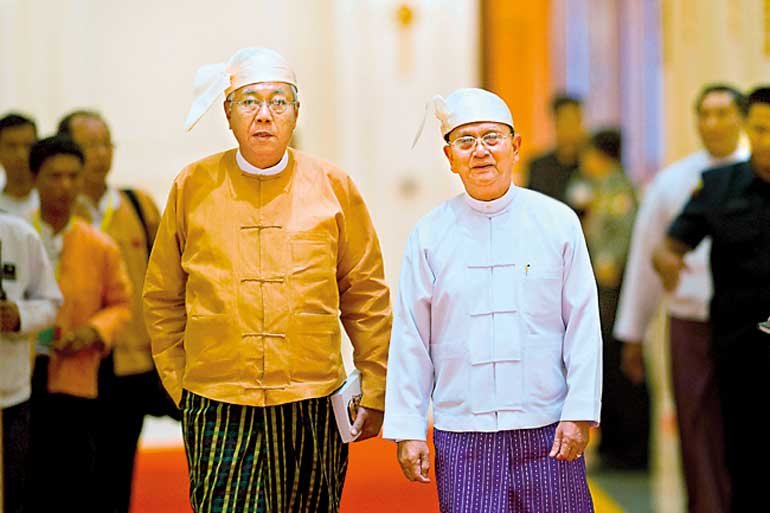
(719, 111)
(496, 320)
(29, 301)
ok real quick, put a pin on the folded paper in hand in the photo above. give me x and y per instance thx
(345, 402)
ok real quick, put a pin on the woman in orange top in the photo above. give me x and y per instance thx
(97, 304)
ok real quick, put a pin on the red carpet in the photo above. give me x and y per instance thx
(160, 482)
(374, 483)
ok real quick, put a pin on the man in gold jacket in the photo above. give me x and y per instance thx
(260, 252)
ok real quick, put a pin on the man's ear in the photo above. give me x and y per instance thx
(226, 104)
(449, 156)
(296, 113)
(516, 144)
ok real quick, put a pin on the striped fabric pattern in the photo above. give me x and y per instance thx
(278, 459)
(507, 472)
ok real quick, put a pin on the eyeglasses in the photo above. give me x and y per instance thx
(252, 105)
(490, 140)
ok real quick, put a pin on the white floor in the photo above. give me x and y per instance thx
(159, 433)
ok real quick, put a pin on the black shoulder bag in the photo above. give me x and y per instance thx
(157, 401)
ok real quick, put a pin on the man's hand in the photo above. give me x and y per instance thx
(668, 262)
(79, 339)
(632, 362)
(414, 458)
(10, 320)
(368, 422)
(570, 440)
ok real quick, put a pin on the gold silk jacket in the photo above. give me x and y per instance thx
(131, 351)
(249, 276)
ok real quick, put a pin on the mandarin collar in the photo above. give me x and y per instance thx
(251, 169)
(493, 207)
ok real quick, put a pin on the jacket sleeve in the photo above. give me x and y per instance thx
(164, 299)
(42, 298)
(364, 296)
(582, 349)
(116, 296)
(692, 225)
(410, 369)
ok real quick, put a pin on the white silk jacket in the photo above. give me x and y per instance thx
(496, 320)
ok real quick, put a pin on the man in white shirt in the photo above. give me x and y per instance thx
(17, 135)
(719, 111)
(496, 321)
(29, 301)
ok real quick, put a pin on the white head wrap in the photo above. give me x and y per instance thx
(246, 66)
(469, 105)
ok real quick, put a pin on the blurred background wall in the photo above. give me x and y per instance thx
(365, 69)
(707, 41)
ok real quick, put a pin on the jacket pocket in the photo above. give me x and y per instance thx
(545, 375)
(311, 254)
(541, 291)
(313, 278)
(450, 375)
(315, 347)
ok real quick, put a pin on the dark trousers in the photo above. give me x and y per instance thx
(62, 449)
(15, 456)
(120, 415)
(742, 370)
(625, 422)
(287, 458)
(699, 417)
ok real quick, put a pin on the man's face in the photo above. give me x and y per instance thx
(758, 131)
(58, 182)
(93, 137)
(262, 134)
(15, 143)
(719, 123)
(485, 171)
(568, 125)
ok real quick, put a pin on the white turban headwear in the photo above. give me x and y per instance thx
(246, 66)
(469, 105)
